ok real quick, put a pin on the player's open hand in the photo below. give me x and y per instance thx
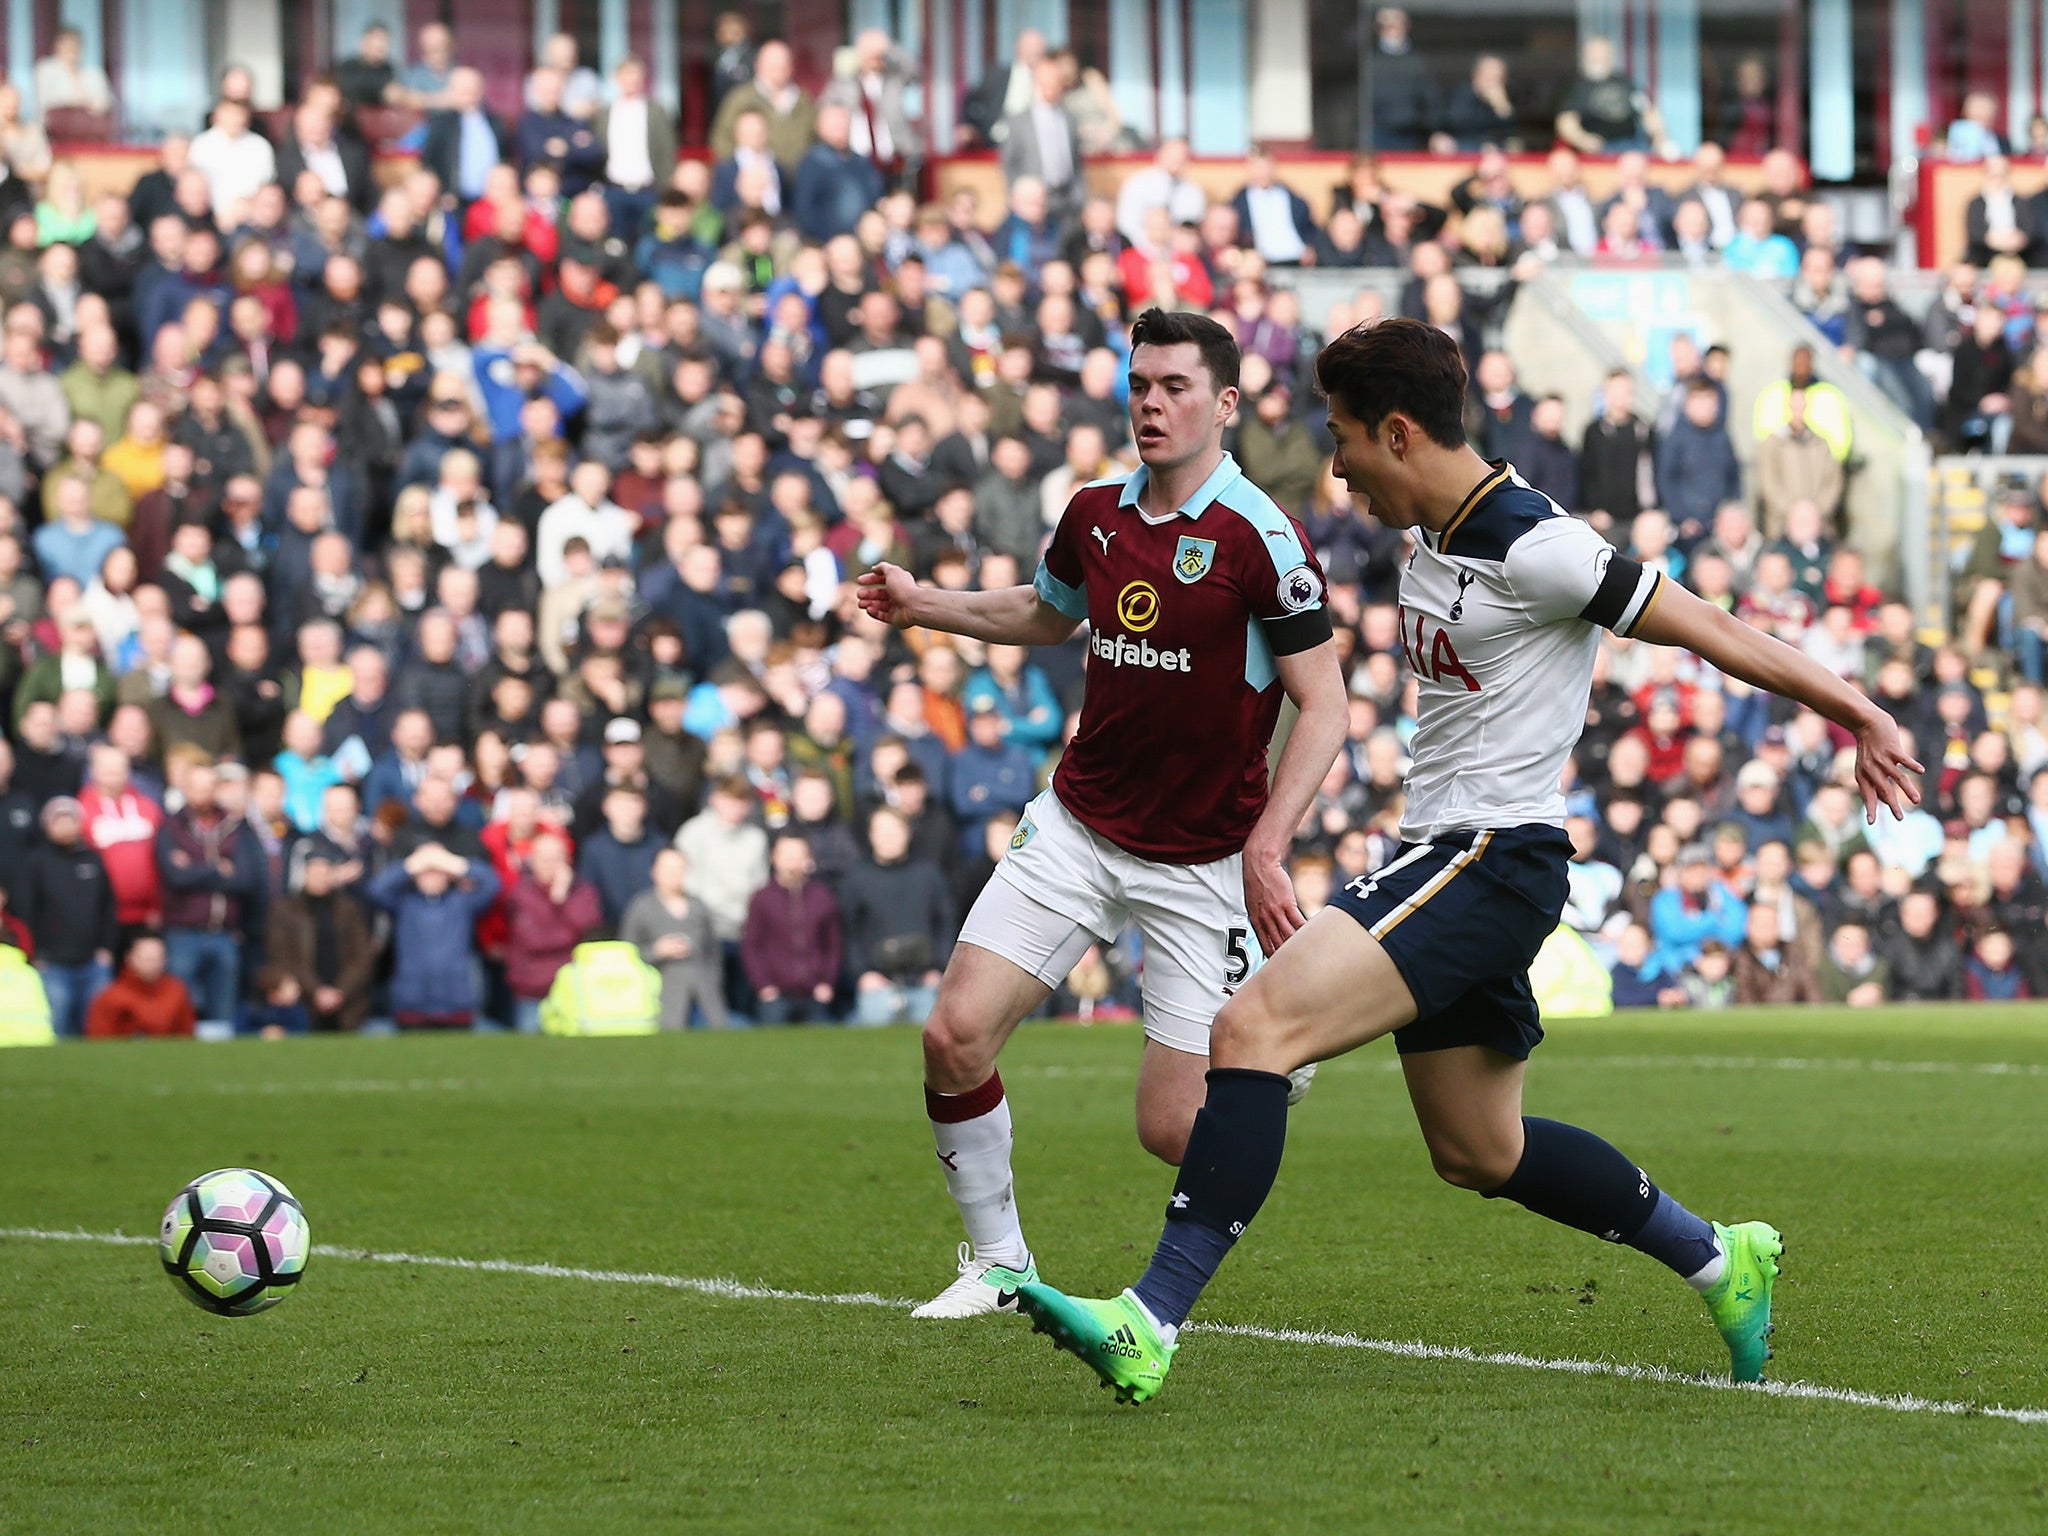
(886, 593)
(1269, 899)
(1884, 774)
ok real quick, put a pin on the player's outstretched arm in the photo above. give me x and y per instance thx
(1006, 616)
(1884, 773)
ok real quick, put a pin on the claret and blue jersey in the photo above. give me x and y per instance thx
(1187, 614)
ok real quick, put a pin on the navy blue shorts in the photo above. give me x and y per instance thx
(1463, 918)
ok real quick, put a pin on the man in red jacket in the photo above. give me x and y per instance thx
(122, 822)
(145, 999)
(508, 841)
(548, 912)
(790, 944)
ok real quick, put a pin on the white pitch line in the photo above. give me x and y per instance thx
(1405, 1349)
(734, 1290)
(1417, 1350)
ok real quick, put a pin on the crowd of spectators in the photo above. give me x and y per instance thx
(1600, 111)
(405, 578)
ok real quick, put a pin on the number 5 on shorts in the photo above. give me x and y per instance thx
(1238, 964)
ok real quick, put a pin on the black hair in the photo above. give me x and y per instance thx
(1169, 328)
(1409, 366)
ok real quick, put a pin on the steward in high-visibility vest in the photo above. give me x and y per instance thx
(605, 989)
(24, 1006)
(1568, 978)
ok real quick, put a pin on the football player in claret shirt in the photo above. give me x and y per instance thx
(1502, 604)
(1204, 606)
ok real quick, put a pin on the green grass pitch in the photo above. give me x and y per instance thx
(1902, 1153)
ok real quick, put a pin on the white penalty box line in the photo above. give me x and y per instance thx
(1403, 1349)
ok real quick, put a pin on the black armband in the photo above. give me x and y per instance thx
(1625, 594)
(1295, 632)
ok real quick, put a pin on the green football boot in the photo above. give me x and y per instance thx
(1115, 1338)
(1740, 1300)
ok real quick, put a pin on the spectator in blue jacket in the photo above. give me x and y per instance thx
(1639, 981)
(619, 858)
(511, 370)
(669, 254)
(196, 278)
(834, 186)
(75, 543)
(1696, 467)
(398, 772)
(1758, 248)
(950, 266)
(547, 135)
(1031, 234)
(989, 774)
(1697, 908)
(1022, 698)
(1759, 810)
(434, 898)
(308, 773)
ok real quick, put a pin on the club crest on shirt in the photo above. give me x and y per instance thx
(1022, 835)
(1192, 558)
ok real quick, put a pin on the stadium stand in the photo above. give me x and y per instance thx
(395, 482)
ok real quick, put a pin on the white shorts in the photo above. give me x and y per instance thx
(1061, 888)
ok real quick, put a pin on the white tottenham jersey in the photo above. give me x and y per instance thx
(1498, 622)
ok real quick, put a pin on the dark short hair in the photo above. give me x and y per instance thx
(1169, 328)
(1409, 366)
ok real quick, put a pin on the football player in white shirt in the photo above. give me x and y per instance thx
(1501, 608)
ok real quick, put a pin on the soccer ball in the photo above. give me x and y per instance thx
(235, 1241)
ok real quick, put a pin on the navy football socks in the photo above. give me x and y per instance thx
(1573, 1177)
(1233, 1156)
(1232, 1159)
